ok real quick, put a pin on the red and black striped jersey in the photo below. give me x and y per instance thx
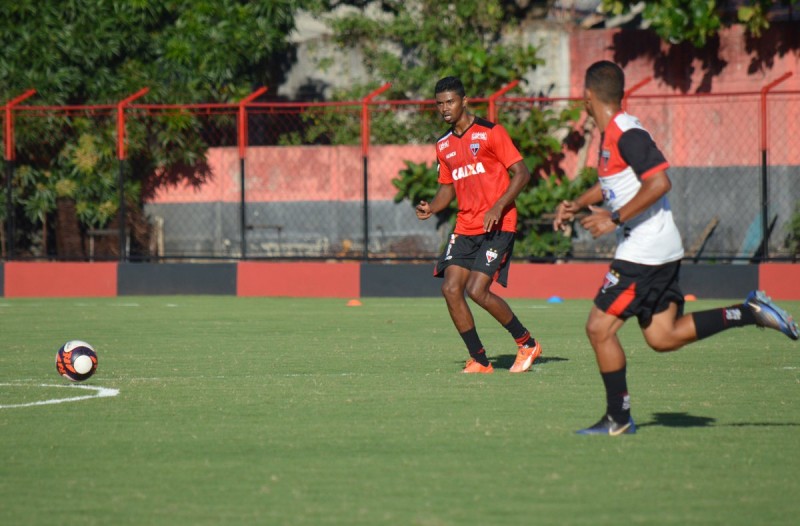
(476, 164)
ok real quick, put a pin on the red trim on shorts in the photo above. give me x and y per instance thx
(623, 300)
(497, 272)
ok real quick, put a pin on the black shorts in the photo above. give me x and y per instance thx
(487, 253)
(631, 289)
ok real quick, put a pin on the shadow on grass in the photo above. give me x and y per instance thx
(678, 420)
(505, 361)
(687, 420)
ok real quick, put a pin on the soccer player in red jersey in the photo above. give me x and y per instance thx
(643, 278)
(476, 158)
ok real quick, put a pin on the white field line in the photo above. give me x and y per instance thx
(99, 392)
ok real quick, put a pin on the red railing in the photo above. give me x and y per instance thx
(315, 179)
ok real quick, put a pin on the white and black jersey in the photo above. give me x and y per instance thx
(628, 155)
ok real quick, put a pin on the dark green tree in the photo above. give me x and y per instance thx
(89, 52)
(696, 21)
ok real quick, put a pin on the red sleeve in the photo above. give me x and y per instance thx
(445, 176)
(503, 147)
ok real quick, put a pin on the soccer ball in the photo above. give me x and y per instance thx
(76, 360)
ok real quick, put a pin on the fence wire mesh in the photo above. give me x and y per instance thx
(64, 184)
(189, 168)
(317, 180)
(715, 169)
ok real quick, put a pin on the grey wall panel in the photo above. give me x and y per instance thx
(176, 278)
(719, 281)
(416, 280)
(403, 280)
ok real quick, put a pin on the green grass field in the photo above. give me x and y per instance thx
(300, 411)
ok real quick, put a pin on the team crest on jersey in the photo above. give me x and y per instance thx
(491, 255)
(605, 156)
(474, 147)
(611, 279)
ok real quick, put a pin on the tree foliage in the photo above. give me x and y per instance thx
(100, 51)
(412, 45)
(696, 21)
(88, 52)
(417, 42)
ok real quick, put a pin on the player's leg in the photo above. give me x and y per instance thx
(669, 330)
(602, 328)
(757, 309)
(453, 265)
(616, 301)
(455, 279)
(492, 263)
(479, 290)
(528, 349)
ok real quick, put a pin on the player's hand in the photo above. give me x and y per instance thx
(423, 210)
(598, 223)
(565, 213)
(491, 219)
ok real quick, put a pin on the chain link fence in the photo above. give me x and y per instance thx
(297, 180)
(62, 184)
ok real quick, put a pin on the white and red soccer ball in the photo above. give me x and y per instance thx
(76, 360)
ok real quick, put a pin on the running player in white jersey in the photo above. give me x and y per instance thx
(643, 278)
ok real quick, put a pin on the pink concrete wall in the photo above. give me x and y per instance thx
(300, 173)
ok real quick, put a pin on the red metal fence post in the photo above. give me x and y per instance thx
(241, 137)
(764, 252)
(10, 157)
(365, 155)
(121, 153)
(496, 95)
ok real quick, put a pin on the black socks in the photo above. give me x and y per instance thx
(474, 346)
(710, 322)
(618, 402)
(519, 333)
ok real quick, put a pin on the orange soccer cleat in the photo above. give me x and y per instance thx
(474, 367)
(525, 358)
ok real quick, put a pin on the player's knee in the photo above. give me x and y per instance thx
(477, 293)
(595, 331)
(451, 290)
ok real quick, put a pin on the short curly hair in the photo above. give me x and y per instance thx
(450, 84)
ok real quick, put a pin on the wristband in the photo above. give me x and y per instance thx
(615, 218)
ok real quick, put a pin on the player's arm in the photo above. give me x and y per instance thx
(638, 149)
(566, 210)
(653, 188)
(520, 176)
(444, 196)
